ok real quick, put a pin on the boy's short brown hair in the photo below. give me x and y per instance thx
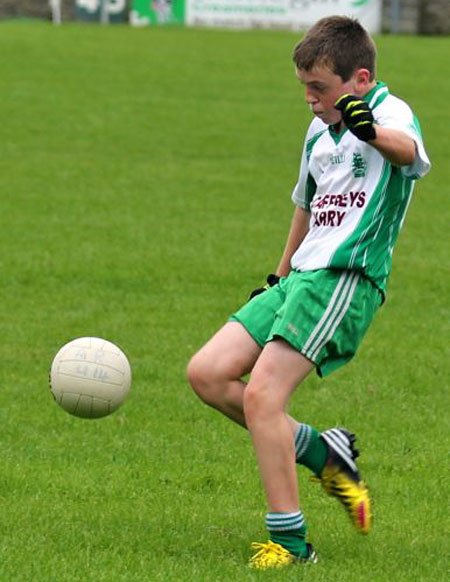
(339, 43)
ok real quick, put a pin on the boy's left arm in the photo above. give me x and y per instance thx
(396, 146)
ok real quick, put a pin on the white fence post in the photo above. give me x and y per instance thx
(104, 14)
(55, 6)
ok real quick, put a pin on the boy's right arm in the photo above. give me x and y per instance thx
(297, 232)
(300, 221)
(301, 197)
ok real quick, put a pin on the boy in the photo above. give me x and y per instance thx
(361, 156)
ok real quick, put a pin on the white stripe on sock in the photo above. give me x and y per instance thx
(302, 440)
(284, 521)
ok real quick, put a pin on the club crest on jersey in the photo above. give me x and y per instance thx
(359, 165)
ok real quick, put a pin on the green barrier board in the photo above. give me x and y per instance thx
(157, 12)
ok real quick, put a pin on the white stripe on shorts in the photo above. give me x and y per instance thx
(333, 315)
(327, 311)
(339, 317)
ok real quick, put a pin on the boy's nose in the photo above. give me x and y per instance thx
(310, 98)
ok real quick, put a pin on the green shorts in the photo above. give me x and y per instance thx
(323, 314)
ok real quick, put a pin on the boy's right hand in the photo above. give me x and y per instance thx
(271, 281)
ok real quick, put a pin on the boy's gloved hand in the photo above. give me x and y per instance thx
(357, 116)
(271, 281)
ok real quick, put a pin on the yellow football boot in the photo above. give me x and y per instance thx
(271, 555)
(340, 478)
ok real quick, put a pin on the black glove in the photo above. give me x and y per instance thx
(357, 116)
(271, 281)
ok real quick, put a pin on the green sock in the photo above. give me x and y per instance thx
(310, 449)
(288, 530)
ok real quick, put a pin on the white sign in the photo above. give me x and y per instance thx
(111, 6)
(290, 14)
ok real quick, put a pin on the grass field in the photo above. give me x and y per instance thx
(145, 179)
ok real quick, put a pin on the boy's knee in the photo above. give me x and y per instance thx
(202, 377)
(259, 405)
(196, 373)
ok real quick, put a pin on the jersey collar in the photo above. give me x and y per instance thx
(335, 134)
(376, 94)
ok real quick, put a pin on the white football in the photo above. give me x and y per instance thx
(90, 377)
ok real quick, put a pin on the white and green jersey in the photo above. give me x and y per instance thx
(357, 199)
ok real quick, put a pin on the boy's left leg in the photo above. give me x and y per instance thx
(276, 374)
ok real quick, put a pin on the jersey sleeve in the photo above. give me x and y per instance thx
(396, 114)
(305, 188)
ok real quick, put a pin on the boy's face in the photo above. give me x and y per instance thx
(323, 88)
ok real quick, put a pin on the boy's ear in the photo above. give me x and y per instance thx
(361, 79)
